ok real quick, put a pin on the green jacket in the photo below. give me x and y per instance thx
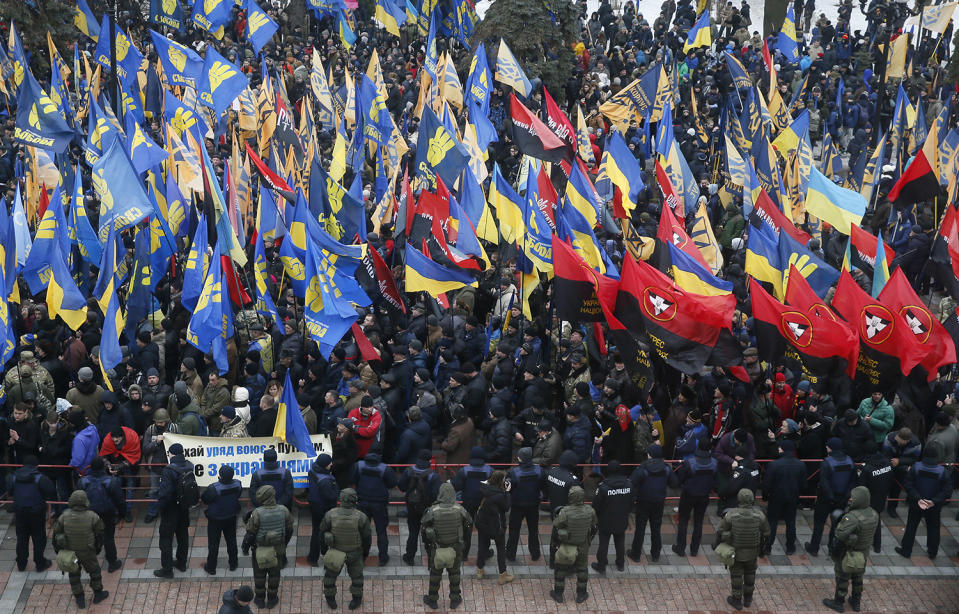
(734, 227)
(347, 528)
(745, 527)
(267, 508)
(858, 525)
(576, 522)
(882, 418)
(447, 522)
(79, 528)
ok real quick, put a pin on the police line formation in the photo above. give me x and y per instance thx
(228, 220)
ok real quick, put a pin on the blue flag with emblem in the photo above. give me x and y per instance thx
(52, 235)
(377, 125)
(197, 262)
(479, 81)
(289, 425)
(264, 302)
(101, 132)
(212, 15)
(143, 152)
(181, 65)
(438, 152)
(221, 81)
(123, 201)
(327, 316)
(168, 13)
(431, 55)
(81, 231)
(260, 28)
(182, 117)
(40, 121)
(127, 56)
(820, 275)
(64, 299)
(207, 320)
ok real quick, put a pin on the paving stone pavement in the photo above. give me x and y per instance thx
(786, 584)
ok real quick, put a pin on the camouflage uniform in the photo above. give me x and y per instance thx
(445, 525)
(576, 524)
(746, 529)
(853, 533)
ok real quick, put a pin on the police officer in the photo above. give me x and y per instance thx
(559, 481)
(174, 517)
(526, 485)
(876, 475)
(613, 502)
(744, 474)
(696, 477)
(106, 499)
(31, 490)
(322, 494)
(927, 488)
(783, 484)
(836, 479)
(223, 504)
(853, 534)
(467, 481)
(445, 526)
(575, 525)
(80, 529)
(421, 485)
(650, 481)
(272, 474)
(746, 529)
(347, 530)
(268, 530)
(373, 480)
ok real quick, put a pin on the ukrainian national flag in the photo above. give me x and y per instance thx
(581, 195)
(390, 15)
(880, 273)
(762, 257)
(619, 167)
(64, 299)
(508, 205)
(699, 35)
(424, 275)
(693, 277)
(289, 425)
(86, 21)
(789, 138)
(840, 207)
(343, 28)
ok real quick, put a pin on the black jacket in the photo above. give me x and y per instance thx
(876, 475)
(491, 515)
(613, 502)
(499, 441)
(230, 606)
(785, 479)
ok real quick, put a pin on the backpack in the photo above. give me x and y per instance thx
(202, 429)
(417, 498)
(187, 490)
(100, 500)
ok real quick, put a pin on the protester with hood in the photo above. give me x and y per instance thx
(154, 454)
(121, 450)
(499, 437)
(80, 530)
(86, 442)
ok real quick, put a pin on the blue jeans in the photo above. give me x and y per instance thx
(153, 508)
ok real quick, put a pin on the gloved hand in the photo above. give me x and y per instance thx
(247, 543)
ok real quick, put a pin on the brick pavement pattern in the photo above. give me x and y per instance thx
(785, 584)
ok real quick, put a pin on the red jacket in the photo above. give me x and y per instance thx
(367, 430)
(131, 446)
(784, 402)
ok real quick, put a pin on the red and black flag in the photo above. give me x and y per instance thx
(377, 280)
(577, 287)
(887, 345)
(862, 250)
(920, 181)
(937, 347)
(532, 136)
(559, 123)
(683, 328)
(951, 324)
(824, 346)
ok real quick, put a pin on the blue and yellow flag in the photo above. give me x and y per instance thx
(264, 302)
(197, 262)
(789, 138)
(538, 239)
(182, 118)
(619, 169)
(762, 256)
(572, 226)
(80, 230)
(52, 233)
(206, 324)
(289, 425)
(508, 206)
(168, 13)
(438, 152)
(86, 21)
(64, 299)
(880, 273)
(212, 15)
(123, 201)
(177, 208)
(693, 277)
(737, 71)
(391, 15)
(221, 81)
(815, 270)
(838, 206)
(788, 42)
(21, 229)
(260, 28)
(127, 56)
(101, 132)
(431, 55)
(699, 35)
(114, 321)
(465, 19)
(40, 121)
(181, 65)
(582, 196)
(509, 72)
(327, 313)
(347, 35)
(109, 277)
(377, 125)
(143, 152)
(424, 275)
(479, 81)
